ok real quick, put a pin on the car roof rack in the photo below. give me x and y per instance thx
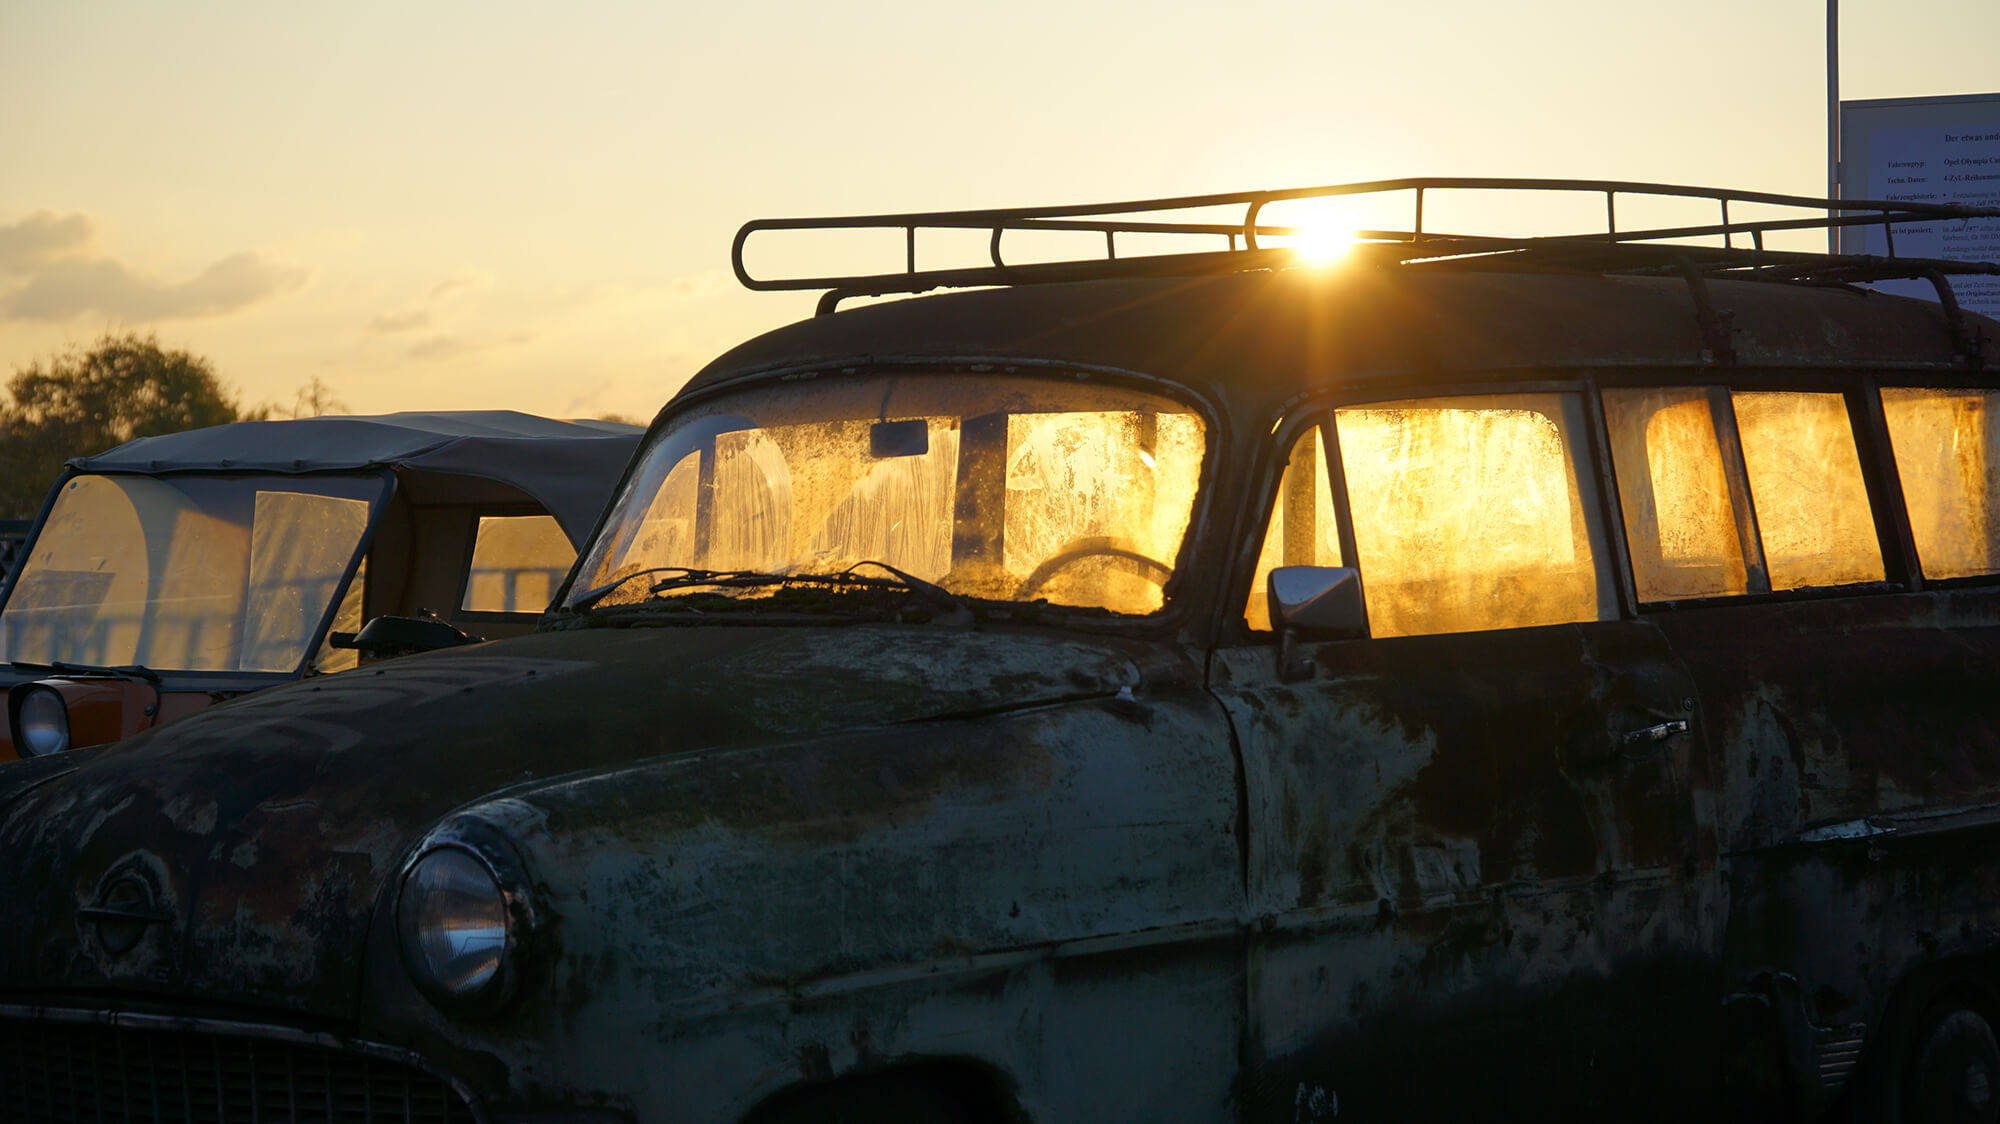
(1602, 250)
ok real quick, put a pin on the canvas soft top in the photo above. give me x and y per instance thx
(567, 466)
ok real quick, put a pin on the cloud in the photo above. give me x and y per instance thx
(419, 314)
(438, 347)
(41, 238)
(692, 287)
(64, 289)
(454, 284)
(390, 323)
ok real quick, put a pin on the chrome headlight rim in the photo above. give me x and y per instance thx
(60, 737)
(521, 945)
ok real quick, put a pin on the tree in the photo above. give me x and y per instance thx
(84, 402)
(315, 400)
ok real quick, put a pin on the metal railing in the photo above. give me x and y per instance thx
(1598, 249)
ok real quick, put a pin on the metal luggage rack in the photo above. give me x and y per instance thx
(1606, 250)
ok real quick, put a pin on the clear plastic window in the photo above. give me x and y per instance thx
(193, 573)
(1673, 487)
(1948, 454)
(517, 563)
(1813, 515)
(300, 545)
(347, 618)
(1468, 513)
(1302, 531)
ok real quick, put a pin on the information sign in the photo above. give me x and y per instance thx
(1932, 150)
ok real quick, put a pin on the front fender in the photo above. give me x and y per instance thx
(727, 923)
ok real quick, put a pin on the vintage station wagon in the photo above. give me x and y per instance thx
(1486, 678)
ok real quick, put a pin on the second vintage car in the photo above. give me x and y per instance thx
(175, 571)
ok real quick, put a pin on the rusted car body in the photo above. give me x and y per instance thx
(1487, 679)
(177, 571)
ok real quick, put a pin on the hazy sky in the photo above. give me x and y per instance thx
(527, 206)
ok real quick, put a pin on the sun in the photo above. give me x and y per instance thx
(1322, 237)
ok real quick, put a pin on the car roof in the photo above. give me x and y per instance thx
(1235, 313)
(1260, 338)
(569, 467)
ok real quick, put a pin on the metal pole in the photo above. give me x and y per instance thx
(1832, 114)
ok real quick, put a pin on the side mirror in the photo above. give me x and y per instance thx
(384, 637)
(1318, 602)
(1313, 603)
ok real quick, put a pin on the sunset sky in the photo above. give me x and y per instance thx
(529, 206)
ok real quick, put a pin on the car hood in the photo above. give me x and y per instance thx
(236, 855)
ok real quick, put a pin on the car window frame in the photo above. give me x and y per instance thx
(1860, 390)
(1187, 598)
(1960, 380)
(1880, 479)
(502, 511)
(185, 679)
(1591, 467)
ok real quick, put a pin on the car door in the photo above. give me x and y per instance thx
(1473, 833)
(1851, 711)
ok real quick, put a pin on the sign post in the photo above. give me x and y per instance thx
(1832, 112)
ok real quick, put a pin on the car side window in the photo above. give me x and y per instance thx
(1674, 490)
(1740, 492)
(1301, 530)
(1469, 513)
(1811, 500)
(1948, 454)
(300, 546)
(348, 617)
(517, 562)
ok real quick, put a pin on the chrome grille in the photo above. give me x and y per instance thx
(59, 1071)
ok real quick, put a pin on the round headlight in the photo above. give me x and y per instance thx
(453, 924)
(41, 724)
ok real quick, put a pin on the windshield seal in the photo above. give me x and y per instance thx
(887, 388)
(374, 486)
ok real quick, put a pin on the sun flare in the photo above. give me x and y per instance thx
(1322, 238)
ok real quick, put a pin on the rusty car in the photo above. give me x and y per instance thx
(180, 570)
(1485, 677)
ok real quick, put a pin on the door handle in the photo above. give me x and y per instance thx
(1658, 733)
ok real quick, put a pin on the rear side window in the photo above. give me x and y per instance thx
(1948, 455)
(1739, 492)
(1468, 513)
(1806, 484)
(517, 562)
(1674, 492)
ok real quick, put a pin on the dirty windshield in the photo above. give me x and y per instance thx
(186, 573)
(993, 487)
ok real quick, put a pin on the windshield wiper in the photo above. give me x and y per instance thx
(684, 577)
(124, 671)
(908, 580)
(599, 593)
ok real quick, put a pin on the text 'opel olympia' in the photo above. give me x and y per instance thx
(1482, 678)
